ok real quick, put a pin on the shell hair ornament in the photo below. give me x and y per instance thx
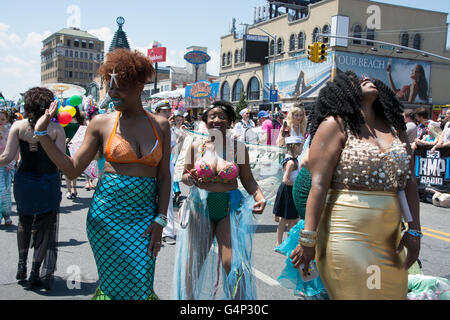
(113, 78)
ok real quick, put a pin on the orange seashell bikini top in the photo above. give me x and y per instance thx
(119, 150)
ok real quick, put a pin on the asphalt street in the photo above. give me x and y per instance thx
(76, 275)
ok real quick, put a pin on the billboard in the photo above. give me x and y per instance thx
(201, 94)
(158, 54)
(410, 79)
(299, 78)
(256, 48)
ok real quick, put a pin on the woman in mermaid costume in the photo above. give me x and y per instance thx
(290, 276)
(216, 218)
(128, 211)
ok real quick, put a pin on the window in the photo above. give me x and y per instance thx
(370, 36)
(236, 56)
(253, 89)
(70, 74)
(405, 40)
(271, 48)
(417, 42)
(91, 66)
(66, 53)
(242, 55)
(76, 43)
(91, 45)
(91, 56)
(76, 54)
(224, 60)
(238, 88)
(326, 30)
(280, 45)
(292, 43)
(225, 92)
(301, 40)
(68, 43)
(357, 33)
(315, 34)
(229, 58)
(83, 44)
(75, 75)
(76, 64)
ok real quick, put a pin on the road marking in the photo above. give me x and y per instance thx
(435, 231)
(437, 237)
(260, 275)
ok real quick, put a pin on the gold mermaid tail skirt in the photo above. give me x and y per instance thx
(358, 235)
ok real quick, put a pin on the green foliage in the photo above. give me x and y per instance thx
(242, 104)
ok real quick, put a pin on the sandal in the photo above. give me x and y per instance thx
(69, 196)
(8, 221)
(74, 195)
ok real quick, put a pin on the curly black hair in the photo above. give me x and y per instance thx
(342, 98)
(226, 107)
(37, 100)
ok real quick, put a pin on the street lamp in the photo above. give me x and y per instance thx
(275, 49)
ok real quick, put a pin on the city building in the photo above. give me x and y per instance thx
(71, 56)
(297, 24)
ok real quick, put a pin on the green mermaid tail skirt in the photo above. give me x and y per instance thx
(120, 212)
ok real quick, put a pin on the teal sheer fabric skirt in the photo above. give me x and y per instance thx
(120, 212)
(198, 272)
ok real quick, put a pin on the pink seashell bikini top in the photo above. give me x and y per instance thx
(204, 169)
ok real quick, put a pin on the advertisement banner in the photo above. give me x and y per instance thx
(298, 78)
(157, 54)
(432, 170)
(201, 94)
(410, 79)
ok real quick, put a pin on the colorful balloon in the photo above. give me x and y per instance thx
(70, 110)
(64, 118)
(75, 101)
(67, 102)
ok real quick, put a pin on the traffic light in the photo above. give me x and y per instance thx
(322, 52)
(312, 52)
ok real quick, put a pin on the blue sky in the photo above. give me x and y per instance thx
(177, 24)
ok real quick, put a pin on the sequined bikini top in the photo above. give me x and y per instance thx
(363, 164)
(229, 172)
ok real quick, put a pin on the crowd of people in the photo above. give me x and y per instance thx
(346, 170)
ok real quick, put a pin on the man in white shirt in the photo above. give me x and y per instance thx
(164, 109)
(411, 127)
(444, 138)
(241, 128)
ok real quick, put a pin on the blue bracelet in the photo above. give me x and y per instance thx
(41, 133)
(161, 220)
(415, 233)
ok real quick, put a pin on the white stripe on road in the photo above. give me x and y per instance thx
(258, 274)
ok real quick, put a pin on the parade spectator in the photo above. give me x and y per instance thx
(164, 109)
(422, 116)
(411, 126)
(70, 130)
(284, 207)
(355, 191)
(269, 129)
(128, 211)
(295, 126)
(241, 128)
(444, 138)
(37, 188)
(6, 173)
(215, 208)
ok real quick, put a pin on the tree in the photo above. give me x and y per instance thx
(242, 104)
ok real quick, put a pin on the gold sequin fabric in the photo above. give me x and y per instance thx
(363, 164)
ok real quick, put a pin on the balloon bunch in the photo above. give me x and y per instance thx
(68, 111)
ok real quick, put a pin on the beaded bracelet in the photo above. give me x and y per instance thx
(40, 133)
(415, 233)
(307, 242)
(161, 220)
(308, 234)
